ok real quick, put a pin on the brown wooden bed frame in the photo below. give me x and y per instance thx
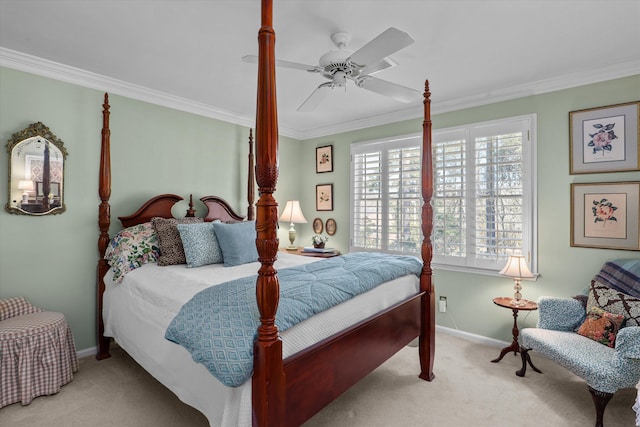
(287, 392)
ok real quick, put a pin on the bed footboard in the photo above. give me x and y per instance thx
(318, 375)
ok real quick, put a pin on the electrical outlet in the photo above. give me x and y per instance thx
(443, 304)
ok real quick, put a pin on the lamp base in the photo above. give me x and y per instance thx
(292, 248)
(518, 302)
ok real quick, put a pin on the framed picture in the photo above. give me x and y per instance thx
(606, 215)
(317, 226)
(331, 226)
(324, 159)
(604, 139)
(324, 197)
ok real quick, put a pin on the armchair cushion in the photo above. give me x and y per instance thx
(605, 369)
(16, 306)
(560, 314)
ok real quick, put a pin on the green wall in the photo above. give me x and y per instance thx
(564, 270)
(51, 260)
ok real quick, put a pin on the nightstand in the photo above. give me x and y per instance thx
(299, 251)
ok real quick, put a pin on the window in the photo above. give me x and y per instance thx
(483, 201)
(386, 204)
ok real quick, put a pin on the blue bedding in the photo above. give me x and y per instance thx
(219, 324)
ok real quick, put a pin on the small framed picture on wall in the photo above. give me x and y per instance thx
(324, 197)
(324, 159)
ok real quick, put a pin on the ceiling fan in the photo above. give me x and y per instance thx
(342, 65)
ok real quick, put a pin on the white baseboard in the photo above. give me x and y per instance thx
(471, 337)
(91, 351)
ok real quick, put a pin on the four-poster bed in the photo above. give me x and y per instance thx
(287, 386)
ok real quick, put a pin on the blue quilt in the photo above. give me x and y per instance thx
(218, 325)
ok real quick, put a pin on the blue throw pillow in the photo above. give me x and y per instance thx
(200, 244)
(237, 241)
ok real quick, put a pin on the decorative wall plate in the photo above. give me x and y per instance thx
(331, 226)
(317, 226)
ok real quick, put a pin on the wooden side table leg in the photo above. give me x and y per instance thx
(514, 346)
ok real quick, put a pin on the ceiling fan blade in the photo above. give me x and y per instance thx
(385, 44)
(386, 88)
(316, 97)
(253, 59)
(383, 64)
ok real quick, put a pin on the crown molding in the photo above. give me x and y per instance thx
(54, 70)
(626, 68)
(65, 73)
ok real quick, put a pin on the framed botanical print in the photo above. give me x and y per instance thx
(604, 139)
(324, 197)
(324, 159)
(606, 215)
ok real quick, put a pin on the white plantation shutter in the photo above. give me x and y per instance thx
(367, 200)
(386, 196)
(483, 201)
(484, 194)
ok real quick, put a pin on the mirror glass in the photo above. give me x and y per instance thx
(36, 172)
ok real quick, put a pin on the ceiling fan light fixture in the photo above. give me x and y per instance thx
(340, 78)
(341, 65)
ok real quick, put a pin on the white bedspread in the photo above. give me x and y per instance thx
(137, 312)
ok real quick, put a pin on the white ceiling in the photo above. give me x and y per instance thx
(187, 54)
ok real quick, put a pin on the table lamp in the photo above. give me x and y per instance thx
(26, 185)
(293, 215)
(516, 267)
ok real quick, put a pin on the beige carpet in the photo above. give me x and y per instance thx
(468, 391)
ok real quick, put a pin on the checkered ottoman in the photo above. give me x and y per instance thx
(37, 356)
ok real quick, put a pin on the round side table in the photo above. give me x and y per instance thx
(505, 302)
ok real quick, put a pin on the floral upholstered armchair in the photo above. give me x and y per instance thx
(600, 343)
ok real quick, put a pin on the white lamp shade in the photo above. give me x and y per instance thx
(516, 267)
(24, 184)
(292, 213)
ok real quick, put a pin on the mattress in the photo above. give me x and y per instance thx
(137, 312)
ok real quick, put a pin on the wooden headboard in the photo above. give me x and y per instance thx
(158, 206)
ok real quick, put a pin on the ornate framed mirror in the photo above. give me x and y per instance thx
(36, 172)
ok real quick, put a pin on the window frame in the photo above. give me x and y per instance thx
(528, 123)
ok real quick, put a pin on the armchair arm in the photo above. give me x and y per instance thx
(560, 314)
(16, 306)
(628, 342)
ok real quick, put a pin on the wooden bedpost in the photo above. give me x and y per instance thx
(428, 329)
(104, 221)
(251, 181)
(268, 376)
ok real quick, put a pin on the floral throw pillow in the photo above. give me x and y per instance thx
(601, 326)
(131, 248)
(614, 302)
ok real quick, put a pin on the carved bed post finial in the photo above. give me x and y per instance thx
(427, 337)
(104, 221)
(268, 376)
(251, 180)
(191, 212)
